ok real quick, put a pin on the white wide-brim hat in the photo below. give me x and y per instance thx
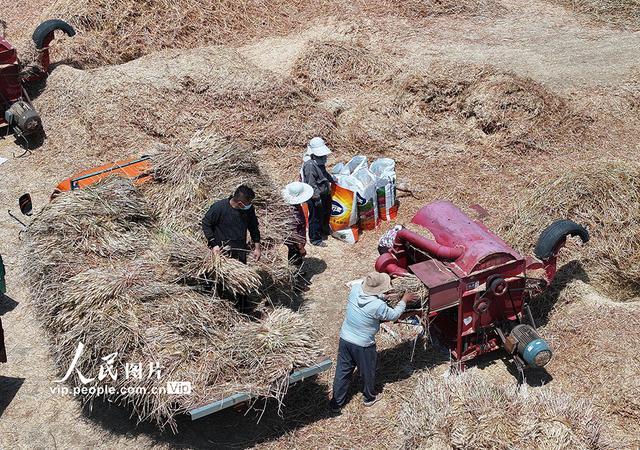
(317, 147)
(297, 193)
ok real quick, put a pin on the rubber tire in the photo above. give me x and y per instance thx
(555, 233)
(46, 27)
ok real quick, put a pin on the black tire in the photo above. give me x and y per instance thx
(556, 233)
(48, 26)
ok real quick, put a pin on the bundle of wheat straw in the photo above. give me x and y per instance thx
(465, 411)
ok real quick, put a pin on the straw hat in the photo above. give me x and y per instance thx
(317, 147)
(296, 193)
(376, 283)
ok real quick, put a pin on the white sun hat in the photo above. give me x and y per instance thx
(317, 147)
(296, 193)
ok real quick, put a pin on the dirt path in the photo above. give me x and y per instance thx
(535, 39)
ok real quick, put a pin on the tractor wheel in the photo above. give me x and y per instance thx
(48, 26)
(554, 235)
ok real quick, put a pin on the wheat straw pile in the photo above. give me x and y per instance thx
(595, 341)
(465, 411)
(122, 30)
(409, 284)
(118, 31)
(124, 268)
(465, 104)
(333, 63)
(623, 14)
(603, 196)
(167, 96)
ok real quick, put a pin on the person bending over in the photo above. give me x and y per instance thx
(366, 309)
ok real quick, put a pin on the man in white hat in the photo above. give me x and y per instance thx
(295, 194)
(314, 173)
(366, 309)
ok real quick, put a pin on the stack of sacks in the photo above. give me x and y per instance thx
(362, 196)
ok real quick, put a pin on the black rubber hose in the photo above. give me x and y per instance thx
(46, 27)
(556, 233)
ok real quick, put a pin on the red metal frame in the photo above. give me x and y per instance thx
(11, 84)
(457, 267)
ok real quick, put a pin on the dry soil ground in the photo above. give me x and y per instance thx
(548, 43)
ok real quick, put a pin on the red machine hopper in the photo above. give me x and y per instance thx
(478, 285)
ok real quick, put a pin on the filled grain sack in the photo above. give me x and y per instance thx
(367, 198)
(344, 210)
(384, 170)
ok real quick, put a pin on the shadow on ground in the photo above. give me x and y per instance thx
(543, 304)
(228, 429)
(9, 387)
(295, 299)
(7, 304)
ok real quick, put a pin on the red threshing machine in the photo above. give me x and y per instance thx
(478, 285)
(16, 109)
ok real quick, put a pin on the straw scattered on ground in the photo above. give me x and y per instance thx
(168, 96)
(624, 14)
(338, 62)
(122, 30)
(594, 341)
(418, 9)
(467, 411)
(464, 104)
(603, 196)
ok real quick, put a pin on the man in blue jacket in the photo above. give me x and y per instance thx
(366, 309)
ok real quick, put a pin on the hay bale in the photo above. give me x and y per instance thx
(595, 342)
(331, 63)
(465, 411)
(168, 96)
(603, 196)
(110, 271)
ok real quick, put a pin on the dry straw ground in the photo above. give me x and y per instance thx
(617, 13)
(472, 133)
(123, 30)
(593, 339)
(604, 196)
(172, 94)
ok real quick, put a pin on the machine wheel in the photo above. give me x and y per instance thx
(555, 234)
(42, 31)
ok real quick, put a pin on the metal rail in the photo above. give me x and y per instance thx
(75, 181)
(219, 405)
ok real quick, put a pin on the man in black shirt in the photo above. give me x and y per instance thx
(227, 221)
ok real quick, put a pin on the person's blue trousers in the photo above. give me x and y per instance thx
(351, 356)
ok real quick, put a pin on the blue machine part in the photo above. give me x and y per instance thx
(537, 353)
